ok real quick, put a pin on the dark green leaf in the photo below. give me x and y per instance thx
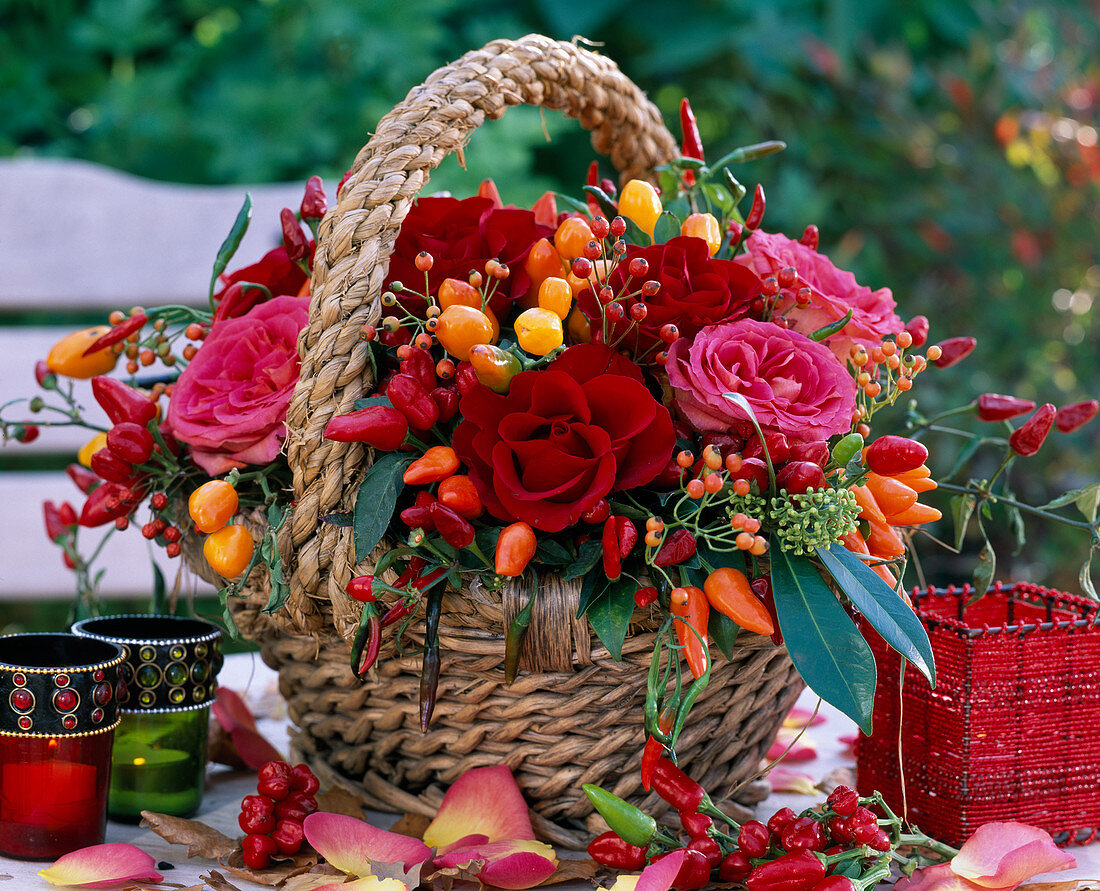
(376, 500)
(667, 227)
(962, 508)
(367, 402)
(1088, 502)
(723, 632)
(607, 205)
(719, 196)
(882, 607)
(595, 584)
(823, 641)
(572, 203)
(280, 590)
(343, 519)
(1085, 577)
(1016, 524)
(609, 615)
(552, 553)
(588, 555)
(232, 242)
(159, 590)
(985, 569)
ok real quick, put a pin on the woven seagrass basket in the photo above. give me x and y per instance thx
(575, 714)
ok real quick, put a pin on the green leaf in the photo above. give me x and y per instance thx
(984, 570)
(1085, 577)
(666, 228)
(962, 509)
(723, 632)
(280, 590)
(344, 519)
(881, 607)
(376, 500)
(371, 400)
(574, 204)
(1016, 524)
(159, 589)
(595, 583)
(588, 555)
(231, 243)
(1088, 502)
(823, 641)
(552, 553)
(609, 615)
(720, 197)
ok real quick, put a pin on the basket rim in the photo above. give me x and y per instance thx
(1031, 593)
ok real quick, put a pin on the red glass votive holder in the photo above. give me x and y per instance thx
(58, 713)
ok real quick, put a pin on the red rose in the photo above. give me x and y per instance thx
(696, 290)
(563, 438)
(461, 236)
(274, 270)
(230, 402)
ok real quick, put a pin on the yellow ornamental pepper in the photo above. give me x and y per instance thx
(67, 358)
(84, 456)
(495, 367)
(640, 203)
(704, 226)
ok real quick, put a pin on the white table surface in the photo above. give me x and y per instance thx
(221, 802)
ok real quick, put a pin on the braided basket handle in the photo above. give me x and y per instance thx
(358, 234)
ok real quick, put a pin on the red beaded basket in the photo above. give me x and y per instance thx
(1012, 729)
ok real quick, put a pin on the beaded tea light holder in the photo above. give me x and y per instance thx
(58, 713)
(170, 671)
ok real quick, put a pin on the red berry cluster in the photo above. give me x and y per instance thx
(273, 817)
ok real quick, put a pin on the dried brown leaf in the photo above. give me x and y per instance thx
(572, 871)
(337, 801)
(412, 825)
(201, 840)
(840, 776)
(321, 874)
(219, 882)
(279, 871)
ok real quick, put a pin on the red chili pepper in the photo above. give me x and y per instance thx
(651, 754)
(361, 588)
(516, 546)
(296, 806)
(810, 237)
(708, 847)
(314, 204)
(303, 780)
(257, 814)
(798, 477)
(293, 237)
(130, 442)
(257, 850)
(122, 403)
(1071, 417)
(692, 145)
(419, 516)
(643, 597)
(410, 398)
(104, 504)
(695, 824)
(995, 407)
(419, 364)
(288, 837)
(1028, 438)
(843, 801)
(918, 329)
(67, 513)
(112, 468)
(678, 547)
(379, 426)
(592, 179)
(676, 787)
(456, 530)
(466, 377)
(756, 213)
(694, 872)
(118, 333)
(55, 528)
(753, 469)
(437, 463)
(814, 452)
(395, 614)
(954, 350)
(619, 538)
(84, 479)
(889, 455)
(610, 850)
(447, 401)
(797, 871)
(779, 449)
(692, 609)
(735, 868)
(834, 883)
(45, 378)
(781, 818)
(754, 838)
(803, 833)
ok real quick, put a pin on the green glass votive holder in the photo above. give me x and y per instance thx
(170, 680)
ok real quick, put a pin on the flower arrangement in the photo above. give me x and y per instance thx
(643, 389)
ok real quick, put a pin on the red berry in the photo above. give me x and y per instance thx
(638, 267)
(592, 250)
(288, 836)
(638, 312)
(274, 780)
(600, 227)
(302, 780)
(770, 287)
(172, 549)
(172, 533)
(121, 524)
(617, 227)
(669, 333)
(257, 814)
(257, 851)
(159, 501)
(615, 312)
(582, 267)
(150, 531)
(787, 276)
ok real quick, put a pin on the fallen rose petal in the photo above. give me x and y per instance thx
(799, 717)
(935, 878)
(1003, 855)
(355, 847)
(659, 876)
(784, 780)
(368, 883)
(483, 801)
(511, 864)
(849, 743)
(801, 748)
(103, 866)
(236, 719)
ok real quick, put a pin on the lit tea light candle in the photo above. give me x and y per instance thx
(154, 779)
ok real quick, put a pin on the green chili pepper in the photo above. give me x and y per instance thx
(845, 450)
(513, 640)
(429, 670)
(368, 640)
(633, 826)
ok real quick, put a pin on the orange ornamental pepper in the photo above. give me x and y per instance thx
(572, 236)
(515, 548)
(891, 496)
(914, 516)
(461, 327)
(556, 295)
(495, 367)
(543, 262)
(855, 543)
(882, 540)
(455, 292)
(436, 464)
(919, 480)
(728, 591)
(228, 551)
(212, 505)
(67, 357)
(460, 495)
(578, 327)
(704, 226)
(691, 607)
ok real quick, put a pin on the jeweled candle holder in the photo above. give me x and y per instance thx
(170, 674)
(58, 713)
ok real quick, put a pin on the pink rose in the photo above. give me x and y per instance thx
(230, 402)
(832, 293)
(794, 385)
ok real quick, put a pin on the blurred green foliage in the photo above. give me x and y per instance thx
(946, 149)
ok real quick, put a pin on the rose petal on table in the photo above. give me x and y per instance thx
(231, 711)
(799, 717)
(359, 849)
(368, 883)
(483, 801)
(1003, 855)
(103, 866)
(801, 750)
(785, 780)
(510, 864)
(849, 743)
(935, 878)
(236, 719)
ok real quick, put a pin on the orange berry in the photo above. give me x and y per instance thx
(860, 358)
(888, 348)
(131, 367)
(759, 546)
(712, 482)
(189, 352)
(704, 226)
(461, 327)
(877, 355)
(423, 341)
(863, 378)
(117, 317)
(744, 541)
(738, 521)
(685, 458)
(445, 369)
(556, 295)
(863, 430)
(695, 489)
(712, 457)
(652, 539)
(752, 525)
(491, 267)
(475, 279)
(741, 487)
(734, 462)
(424, 261)
(893, 362)
(905, 383)
(539, 331)
(404, 351)
(572, 236)
(653, 524)
(678, 598)
(934, 352)
(904, 340)
(872, 389)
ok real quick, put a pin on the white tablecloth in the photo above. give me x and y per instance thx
(221, 802)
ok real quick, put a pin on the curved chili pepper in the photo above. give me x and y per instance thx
(67, 514)
(729, 592)
(429, 667)
(855, 542)
(465, 377)
(396, 613)
(619, 538)
(130, 442)
(797, 871)
(118, 333)
(891, 495)
(915, 515)
(103, 505)
(437, 463)
(513, 639)
(122, 403)
(676, 787)
(419, 516)
(368, 641)
(609, 850)
(996, 407)
(1029, 437)
(691, 145)
(379, 426)
(882, 541)
(516, 546)
(456, 530)
(55, 528)
(954, 350)
(1070, 417)
(495, 367)
(756, 213)
(447, 401)
(632, 825)
(592, 179)
(890, 455)
(676, 548)
(45, 378)
(695, 824)
(314, 203)
(413, 400)
(112, 468)
(652, 752)
(420, 365)
(294, 238)
(691, 607)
